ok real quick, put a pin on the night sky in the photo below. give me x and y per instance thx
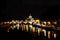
(22, 8)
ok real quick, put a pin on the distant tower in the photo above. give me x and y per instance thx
(30, 17)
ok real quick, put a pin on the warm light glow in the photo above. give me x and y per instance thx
(34, 23)
(25, 22)
(55, 22)
(37, 21)
(24, 27)
(48, 34)
(43, 25)
(54, 35)
(30, 26)
(39, 31)
(13, 21)
(34, 29)
(45, 22)
(30, 22)
(1, 22)
(44, 32)
(5, 22)
(10, 22)
(14, 26)
(27, 28)
(49, 22)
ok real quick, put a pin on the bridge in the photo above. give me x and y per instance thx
(51, 33)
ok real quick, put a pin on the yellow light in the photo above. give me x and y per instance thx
(45, 22)
(14, 26)
(10, 22)
(30, 26)
(39, 31)
(44, 32)
(49, 22)
(55, 22)
(34, 29)
(26, 20)
(48, 34)
(7, 22)
(27, 28)
(4, 22)
(43, 25)
(34, 23)
(54, 35)
(37, 21)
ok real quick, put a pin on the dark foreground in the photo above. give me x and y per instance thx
(22, 35)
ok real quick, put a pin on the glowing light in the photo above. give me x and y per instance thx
(48, 34)
(44, 32)
(14, 26)
(39, 31)
(34, 23)
(54, 35)
(55, 22)
(5, 22)
(34, 29)
(17, 26)
(13, 21)
(43, 25)
(30, 22)
(30, 26)
(1, 22)
(25, 22)
(49, 22)
(10, 22)
(45, 22)
(27, 28)
(37, 21)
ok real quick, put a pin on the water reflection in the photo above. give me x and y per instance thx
(30, 28)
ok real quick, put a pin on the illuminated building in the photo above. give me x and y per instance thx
(31, 19)
(14, 22)
(26, 21)
(17, 25)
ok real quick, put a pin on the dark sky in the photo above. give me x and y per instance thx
(22, 8)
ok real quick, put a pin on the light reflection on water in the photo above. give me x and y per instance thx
(34, 30)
